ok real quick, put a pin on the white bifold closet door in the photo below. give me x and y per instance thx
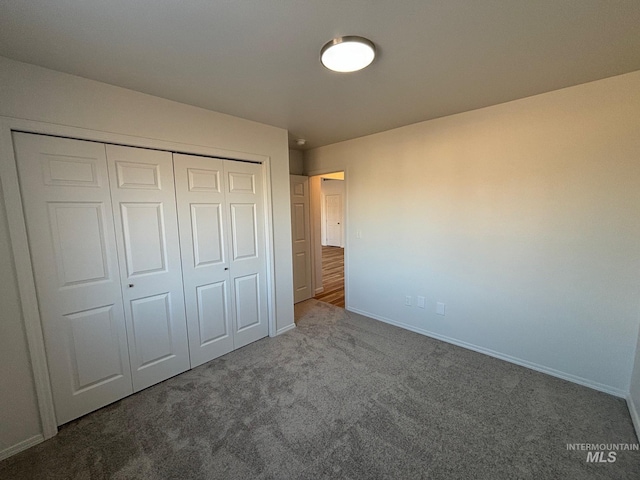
(221, 212)
(144, 208)
(108, 261)
(67, 204)
(103, 236)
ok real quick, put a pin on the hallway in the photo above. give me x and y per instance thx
(332, 276)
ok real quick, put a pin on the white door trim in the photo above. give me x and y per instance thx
(26, 282)
(20, 249)
(347, 228)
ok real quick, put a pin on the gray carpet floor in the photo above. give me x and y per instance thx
(343, 396)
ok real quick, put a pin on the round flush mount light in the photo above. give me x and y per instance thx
(348, 54)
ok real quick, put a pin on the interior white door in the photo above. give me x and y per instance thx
(67, 204)
(333, 209)
(301, 233)
(202, 218)
(144, 206)
(247, 251)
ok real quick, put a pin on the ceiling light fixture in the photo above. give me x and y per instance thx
(347, 54)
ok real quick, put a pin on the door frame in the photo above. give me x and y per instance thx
(345, 232)
(20, 248)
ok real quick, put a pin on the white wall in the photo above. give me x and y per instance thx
(296, 165)
(523, 218)
(34, 93)
(633, 400)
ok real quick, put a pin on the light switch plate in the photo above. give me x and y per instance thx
(440, 307)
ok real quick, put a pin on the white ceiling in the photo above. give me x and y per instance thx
(259, 59)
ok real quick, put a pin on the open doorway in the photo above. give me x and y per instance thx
(327, 200)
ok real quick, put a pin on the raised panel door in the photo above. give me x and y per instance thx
(146, 227)
(66, 199)
(247, 263)
(333, 204)
(301, 238)
(202, 217)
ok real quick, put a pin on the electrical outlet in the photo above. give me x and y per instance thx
(440, 307)
(421, 302)
(407, 300)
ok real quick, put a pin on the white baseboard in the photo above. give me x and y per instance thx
(635, 416)
(319, 290)
(508, 358)
(285, 329)
(19, 447)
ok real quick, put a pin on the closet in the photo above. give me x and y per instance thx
(146, 263)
